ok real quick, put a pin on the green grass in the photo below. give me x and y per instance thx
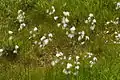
(34, 63)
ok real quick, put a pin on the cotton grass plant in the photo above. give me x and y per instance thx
(59, 40)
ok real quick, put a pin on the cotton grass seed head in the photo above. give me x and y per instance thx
(56, 17)
(43, 37)
(91, 15)
(77, 67)
(118, 5)
(11, 37)
(72, 29)
(1, 50)
(69, 65)
(59, 24)
(10, 32)
(35, 29)
(16, 47)
(66, 13)
(50, 35)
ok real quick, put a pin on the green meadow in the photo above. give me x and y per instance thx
(59, 40)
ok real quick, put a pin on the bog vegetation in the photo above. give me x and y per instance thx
(59, 40)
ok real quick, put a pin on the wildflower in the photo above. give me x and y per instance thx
(11, 37)
(35, 28)
(58, 24)
(79, 38)
(66, 13)
(116, 22)
(15, 51)
(94, 20)
(111, 21)
(61, 53)
(118, 35)
(47, 11)
(107, 23)
(22, 25)
(77, 62)
(86, 21)
(118, 6)
(42, 38)
(50, 35)
(45, 42)
(69, 65)
(69, 72)
(50, 39)
(77, 57)
(71, 35)
(90, 15)
(10, 32)
(64, 4)
(19, 11)
(1, 50)
(20, 20)
(41, 46)
(53, 63)
(30, 32)
(53, 7)
(61, 58)
(91, 62)
(92, 27)
(64, 25)
(89, 54)
(30, 37)
(82, 34)
(75, 73)
(94, 59)
(69, 58)
(87, 37)
(57, 60)
(107, 32)
(77, 67)
(65, 71)
(89, 19)
(82, 43)
(117, 18)
(58, 55)
(91, 65)
(35, 42)
(52, 12)
(16, 46)
(34, 35)
(64, 57)
(21, 16)
(65, 20)
(72, 29)
(67, 33)
(56, 17)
